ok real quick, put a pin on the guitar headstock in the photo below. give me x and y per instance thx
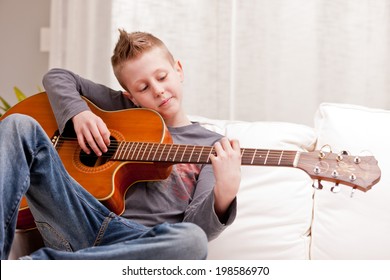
(358, 172)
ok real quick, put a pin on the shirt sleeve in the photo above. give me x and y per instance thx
(201, 209)
(65, 90)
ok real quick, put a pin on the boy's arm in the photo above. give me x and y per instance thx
(65, 88)
(227, 170)
(214, 203)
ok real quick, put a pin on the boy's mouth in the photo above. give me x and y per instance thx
(165, 101)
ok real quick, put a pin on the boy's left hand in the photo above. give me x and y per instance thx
(227, 171)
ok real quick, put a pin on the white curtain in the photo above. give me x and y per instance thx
(273, 60)
(80, 37)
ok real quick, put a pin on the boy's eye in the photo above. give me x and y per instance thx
(143, 88)
(162, 77)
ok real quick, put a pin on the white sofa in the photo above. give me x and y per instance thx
(280, 215)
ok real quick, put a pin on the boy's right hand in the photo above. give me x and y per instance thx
(92, 132)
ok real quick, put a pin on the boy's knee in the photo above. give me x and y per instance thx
(19, 120)
(194, 239)
(19, 126)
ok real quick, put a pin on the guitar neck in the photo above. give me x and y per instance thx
(179, 153)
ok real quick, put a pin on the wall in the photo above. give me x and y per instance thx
(22, 63)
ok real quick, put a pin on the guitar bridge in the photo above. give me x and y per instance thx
(55, 138)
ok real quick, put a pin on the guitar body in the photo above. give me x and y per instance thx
(107, 181)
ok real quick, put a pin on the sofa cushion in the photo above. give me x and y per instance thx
(274, 203)
(357, 227)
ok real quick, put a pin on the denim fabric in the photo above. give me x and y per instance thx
(73, 224)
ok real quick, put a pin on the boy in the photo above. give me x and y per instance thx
(193, 194)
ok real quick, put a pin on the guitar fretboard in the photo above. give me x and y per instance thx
(179, 153)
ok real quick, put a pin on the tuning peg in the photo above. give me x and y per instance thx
(317, 185)
(335, 174)
(324, 149)
(335, 188)
(317, 170)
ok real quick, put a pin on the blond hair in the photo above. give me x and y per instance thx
(132, 45)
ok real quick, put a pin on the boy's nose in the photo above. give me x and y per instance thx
(159, 91)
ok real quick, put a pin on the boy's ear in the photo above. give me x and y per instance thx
(179, 69)
(130, 96)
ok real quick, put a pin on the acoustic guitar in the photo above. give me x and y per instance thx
(142, 150)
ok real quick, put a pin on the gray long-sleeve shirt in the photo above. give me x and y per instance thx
(185, 196)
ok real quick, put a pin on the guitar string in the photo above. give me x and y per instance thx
(248, 153)
(182, 146)
(246, 157)
(118, 143)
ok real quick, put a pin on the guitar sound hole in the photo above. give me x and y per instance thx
(92, 160)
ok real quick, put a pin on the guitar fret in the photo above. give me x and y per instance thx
(244, 155)
(177, 149)
(150, 151)
(188, 153)
(118, 151)
(145, 149)
(210, 153)
(134, 150)
(253, 157)
(115, 155)
(280, 157)
(168, 153)
(200, 154)
(206, 156)
(190, 158)
(256, 158)
(124, 150)
(155, 152)
(127, 150)
(139, 151)
(182, 156)
(195, 154)
(162, 152)
(273, 158)
(266, 158)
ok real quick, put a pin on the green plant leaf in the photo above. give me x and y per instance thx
(19, 94)
(5, 106)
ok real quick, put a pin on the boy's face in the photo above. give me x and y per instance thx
(153, 82)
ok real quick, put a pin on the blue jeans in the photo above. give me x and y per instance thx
(73, 224)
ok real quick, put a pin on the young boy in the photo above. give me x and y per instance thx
(162, 219)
